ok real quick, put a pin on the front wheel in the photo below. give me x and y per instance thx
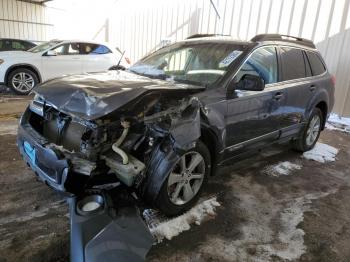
(311, 132)
(22, 81)
(184, 183)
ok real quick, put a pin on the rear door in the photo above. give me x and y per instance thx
(253, 116)
(97, 57)
(67, 61)
(299, 87)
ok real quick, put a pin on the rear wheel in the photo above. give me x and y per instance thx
(181, 189)
(22, 81)
(311, 132)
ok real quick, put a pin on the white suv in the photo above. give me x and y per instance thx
(22, 70)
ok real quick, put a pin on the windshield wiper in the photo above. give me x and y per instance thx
(162, 76)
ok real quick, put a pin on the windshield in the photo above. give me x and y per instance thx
(194, 63)
(43, 47)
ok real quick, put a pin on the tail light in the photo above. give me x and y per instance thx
(333, 79)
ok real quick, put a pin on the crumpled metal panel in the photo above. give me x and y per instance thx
(91, 96)
(112, 234)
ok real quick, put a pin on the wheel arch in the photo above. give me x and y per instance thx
(324, 109)
(26, 66)
(321, 101)
(211, 142)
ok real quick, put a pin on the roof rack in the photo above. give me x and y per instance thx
(286, 38)
(203, 35)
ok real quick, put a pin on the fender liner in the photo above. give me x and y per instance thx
(183, 134)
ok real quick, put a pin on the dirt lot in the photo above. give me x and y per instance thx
(304, 216)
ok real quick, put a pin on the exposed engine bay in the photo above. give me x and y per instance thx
(119, 145)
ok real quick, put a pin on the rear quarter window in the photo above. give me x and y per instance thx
(293, 65)
(317, 67)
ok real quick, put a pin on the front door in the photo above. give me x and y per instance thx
(67, 61)
(253, 116)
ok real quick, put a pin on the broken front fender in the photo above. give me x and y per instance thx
(102, 232)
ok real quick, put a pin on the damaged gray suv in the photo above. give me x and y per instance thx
(163, 126)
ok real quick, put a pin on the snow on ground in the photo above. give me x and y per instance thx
(321, 153)
(335, 122)
(162, 228)
(271, 230)
(291, 238)
(282, 168)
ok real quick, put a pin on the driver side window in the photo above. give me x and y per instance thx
(263, 63)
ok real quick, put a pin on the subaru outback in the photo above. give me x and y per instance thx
(163, 126)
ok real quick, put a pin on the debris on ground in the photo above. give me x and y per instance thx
(321, 153)
(282, 168)
(162, 227)
(336, 122)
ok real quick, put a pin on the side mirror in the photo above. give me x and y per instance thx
(51, 53)
(247, 82)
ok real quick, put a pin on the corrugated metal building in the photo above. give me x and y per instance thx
(140, 26)
(24, 19)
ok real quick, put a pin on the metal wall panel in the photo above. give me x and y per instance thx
(24, 20)
(148, 24)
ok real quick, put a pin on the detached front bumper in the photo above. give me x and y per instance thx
(106, 232)
(45, 162)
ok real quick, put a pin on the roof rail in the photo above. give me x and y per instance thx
(286, 38)
(203, 35)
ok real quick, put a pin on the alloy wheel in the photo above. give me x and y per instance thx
(313, 130)
(23, 82)
(186, 178)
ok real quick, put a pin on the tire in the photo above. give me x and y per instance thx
(303, 144)
(175, 206)
(22, 81)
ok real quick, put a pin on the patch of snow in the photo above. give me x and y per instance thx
(259, 240)
(321, 153)
(282, 168)
(335, 122)
(162, 227)
(290, 235)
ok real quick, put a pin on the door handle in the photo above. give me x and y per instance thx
(312, 88)
(278, 96)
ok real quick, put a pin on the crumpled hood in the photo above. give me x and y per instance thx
(91, 96)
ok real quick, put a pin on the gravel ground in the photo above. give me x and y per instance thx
(302, 216)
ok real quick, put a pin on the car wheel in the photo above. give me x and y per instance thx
(311, 132)
(22, 81)
(185, 181)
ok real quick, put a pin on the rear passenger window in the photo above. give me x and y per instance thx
(88, 48)
(263, 63)
(293, 65)
(101, 49)
(316, 64)
(17, 45)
